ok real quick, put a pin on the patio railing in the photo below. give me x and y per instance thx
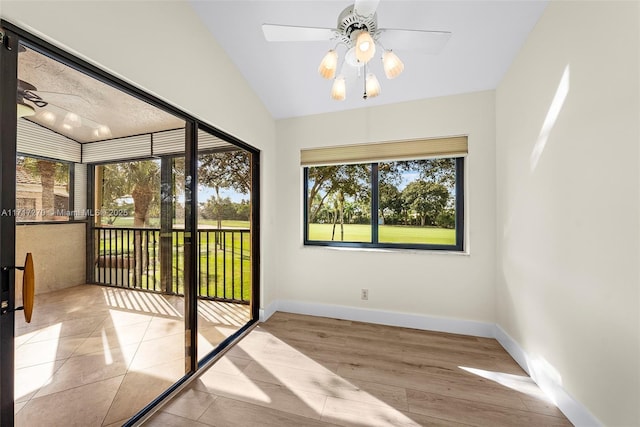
(132, 257)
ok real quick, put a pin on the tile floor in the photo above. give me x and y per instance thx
(94, 356)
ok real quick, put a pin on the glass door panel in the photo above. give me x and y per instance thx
(224, 239)
(99, 210)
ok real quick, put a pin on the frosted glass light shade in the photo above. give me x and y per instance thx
(25, 110)
(372, 86)
(102, 131)
(48, 117)
(72, 120)
(339, 89)
(327, 68)
(365, 47)
(393, 67)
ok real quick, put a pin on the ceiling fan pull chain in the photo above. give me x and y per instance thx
(364, 80)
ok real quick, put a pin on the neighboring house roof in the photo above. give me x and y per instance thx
(28, 182)
(23, 176)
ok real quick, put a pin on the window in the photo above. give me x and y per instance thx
(43, 190)
(408, 203)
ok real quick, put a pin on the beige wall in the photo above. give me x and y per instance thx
(568, 224)
(58, 255)
(429, 283)
(163, 48)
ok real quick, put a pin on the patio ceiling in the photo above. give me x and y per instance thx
(83, 108)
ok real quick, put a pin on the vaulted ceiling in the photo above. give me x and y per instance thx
(486, 36)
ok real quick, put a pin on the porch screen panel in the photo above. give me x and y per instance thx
(34, 140)
(168, 142)
(128, 148)
(80, 191)
(207, 141)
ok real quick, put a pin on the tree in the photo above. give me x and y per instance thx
(225, 208)
(49, 172)
(228, 169)
(441, 171)
(320, 186)
(390, 201)
(325, 181)
(427, 199)
(141, 181)
(446, 218)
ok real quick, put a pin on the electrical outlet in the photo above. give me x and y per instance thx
(364, 294)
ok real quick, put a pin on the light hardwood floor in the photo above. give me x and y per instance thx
(298, 370)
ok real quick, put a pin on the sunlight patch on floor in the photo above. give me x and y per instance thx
(520, 383)
(31, 378)
(145, 302)
(346, 402)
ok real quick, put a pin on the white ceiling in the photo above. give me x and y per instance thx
(486, 37)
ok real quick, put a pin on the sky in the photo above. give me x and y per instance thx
(205, 193)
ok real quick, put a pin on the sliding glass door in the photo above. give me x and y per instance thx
(153, 220)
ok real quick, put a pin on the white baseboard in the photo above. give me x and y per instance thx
(265, 313)
(407, 320)
(548, 380)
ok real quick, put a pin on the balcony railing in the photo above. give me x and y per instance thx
(132, 258)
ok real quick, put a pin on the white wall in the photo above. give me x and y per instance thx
(163, 48)
(568, 223)
(404, 281)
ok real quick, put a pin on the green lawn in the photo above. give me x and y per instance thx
(127, 221)
(224, 261)
(387, 234)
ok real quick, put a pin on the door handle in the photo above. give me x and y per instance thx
(28, 288)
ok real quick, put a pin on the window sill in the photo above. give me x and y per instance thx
(77, 221)
(387, 250)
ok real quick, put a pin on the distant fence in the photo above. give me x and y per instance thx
(131, 258)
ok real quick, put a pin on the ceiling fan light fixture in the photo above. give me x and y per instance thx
(48, 117)
(25, 110)
(372, 86)
(72, 120)
(365, 46)
(350, 58)
(339, 89)
(393, 66)
(102, 131)
(327, 68)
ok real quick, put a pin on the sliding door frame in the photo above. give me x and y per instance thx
(9, 63)
(8, 115)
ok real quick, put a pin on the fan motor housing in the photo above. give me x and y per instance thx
(349, 21)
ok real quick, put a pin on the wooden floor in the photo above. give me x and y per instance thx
(298, 370)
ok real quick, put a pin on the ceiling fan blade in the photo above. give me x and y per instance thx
(60, 94)
(289, 33)
(365, 8)
(431, 42)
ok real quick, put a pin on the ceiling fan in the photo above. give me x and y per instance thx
(26, 91)
(54, 114)
(357, 29)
